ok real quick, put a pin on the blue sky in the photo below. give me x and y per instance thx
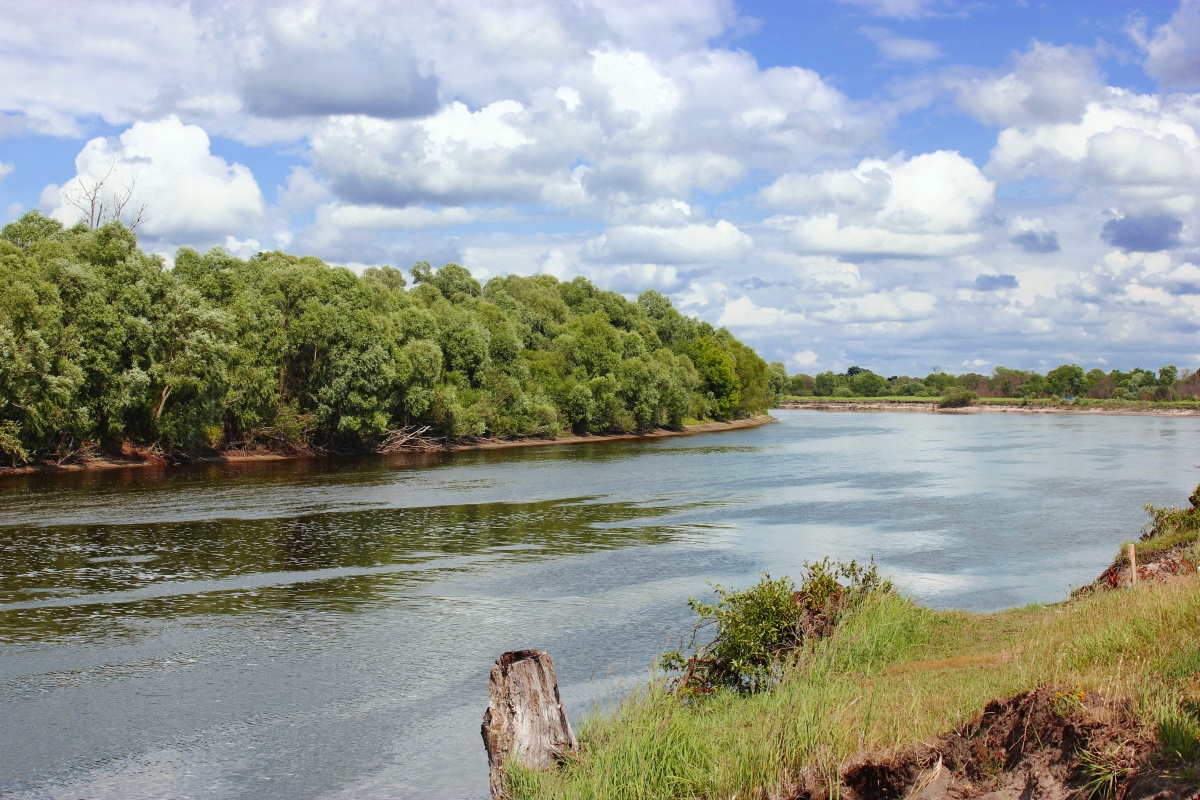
(895, 184)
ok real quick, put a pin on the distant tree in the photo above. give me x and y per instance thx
(1066, 380)
(824, 384)
(778, 379)
(867, 384)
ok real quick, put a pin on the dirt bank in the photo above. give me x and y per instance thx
(240, 456)
(1045, 744)
(987, 408)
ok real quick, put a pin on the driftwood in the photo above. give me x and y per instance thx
(525, 718)
(409, 438)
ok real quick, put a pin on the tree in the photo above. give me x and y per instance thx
(1066, 380)
(824, 384)
(778, 380)
(101, 203)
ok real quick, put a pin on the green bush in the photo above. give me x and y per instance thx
(957, 398)
(843, 391)
(757, 628)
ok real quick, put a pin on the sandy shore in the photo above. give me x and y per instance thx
(932, 408)
(237, 457)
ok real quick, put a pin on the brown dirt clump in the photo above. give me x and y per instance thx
(1038, 744)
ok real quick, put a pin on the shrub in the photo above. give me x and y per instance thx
(843, 391)
(957, 398)
(1171, 527)
(756, 628)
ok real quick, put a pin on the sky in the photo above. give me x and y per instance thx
(895, 184)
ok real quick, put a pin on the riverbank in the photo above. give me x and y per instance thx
(1095, 696)
(997, 406)
(241, 456)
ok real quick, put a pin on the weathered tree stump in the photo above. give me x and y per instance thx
(525, 718)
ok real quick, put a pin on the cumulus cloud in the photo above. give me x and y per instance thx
(1032, 236)
(930, 204)
(992, 283)
(356, 75)
(5, 170)
(1047, 84)
(1143, 234)
(168, 167)
(722, 241)
(1171, 52)
(1143, 149)
(742, 312)
(805, 358)
(893, 47)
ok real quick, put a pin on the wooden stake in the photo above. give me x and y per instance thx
(524, 718)
(1132, 565)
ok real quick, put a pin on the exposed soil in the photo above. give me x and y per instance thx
(1159, 566)
(1040, 744)
(931, 407)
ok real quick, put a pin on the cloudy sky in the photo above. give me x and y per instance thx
(897, 184)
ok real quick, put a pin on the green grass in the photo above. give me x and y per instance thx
(892, 675)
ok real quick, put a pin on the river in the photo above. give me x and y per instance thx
(324, 629)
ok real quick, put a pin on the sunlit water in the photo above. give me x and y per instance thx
(312, 629)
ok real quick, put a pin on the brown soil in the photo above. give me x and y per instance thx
(1160, 567)
(1157, 566)
(1039, 744)
(133, 456)
(932, 407)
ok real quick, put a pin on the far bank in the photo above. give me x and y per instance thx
(996, 406)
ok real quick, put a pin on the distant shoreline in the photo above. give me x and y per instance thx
(239, 457)
(931, 406)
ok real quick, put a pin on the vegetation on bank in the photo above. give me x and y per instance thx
(889, 674)
(102, 346)
(1067, 381)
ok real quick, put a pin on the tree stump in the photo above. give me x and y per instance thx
(525, 718)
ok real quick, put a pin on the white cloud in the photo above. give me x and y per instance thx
(898, 9)
(5, 170)
(931, 204)
(894, 306)
(893, 47)
(387, 218)
(722, 241)
(1046, 85)
(805, 358)
(167, 167)
(1144, 149)
(1171, 53)
(742, 312)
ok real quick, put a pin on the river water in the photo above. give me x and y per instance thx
(325, 629)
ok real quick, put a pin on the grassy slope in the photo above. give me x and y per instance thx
(895, 674)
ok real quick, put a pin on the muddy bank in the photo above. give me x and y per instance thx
(151, 458)
(931, 407)
(1040, 744)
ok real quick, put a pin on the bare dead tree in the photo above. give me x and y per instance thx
(99, 204)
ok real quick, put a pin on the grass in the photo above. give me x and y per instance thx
(893, 674)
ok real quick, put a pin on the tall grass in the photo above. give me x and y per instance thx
(892, 674)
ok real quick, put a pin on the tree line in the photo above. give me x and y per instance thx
(1068, 380)
(102, 347)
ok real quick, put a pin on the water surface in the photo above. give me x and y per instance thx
(325, 629)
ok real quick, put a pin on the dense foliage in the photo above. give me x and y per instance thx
(100, 345)
(1068, 380)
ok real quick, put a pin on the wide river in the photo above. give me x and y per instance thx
(325, 629)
